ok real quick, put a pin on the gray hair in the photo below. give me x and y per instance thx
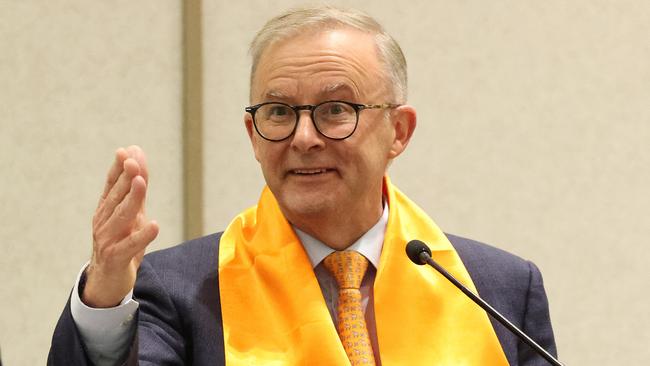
(292, 22)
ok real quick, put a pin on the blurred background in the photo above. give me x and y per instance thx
(534, 123)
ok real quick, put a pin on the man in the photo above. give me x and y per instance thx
(316, 273)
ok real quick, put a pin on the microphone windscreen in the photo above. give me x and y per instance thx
(413, 250)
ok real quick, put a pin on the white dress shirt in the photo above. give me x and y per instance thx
(107, 333)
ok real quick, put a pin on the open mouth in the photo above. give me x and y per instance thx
(307, 172)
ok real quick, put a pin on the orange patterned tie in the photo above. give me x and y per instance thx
(348, 268)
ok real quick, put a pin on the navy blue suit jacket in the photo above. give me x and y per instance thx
(179, 318)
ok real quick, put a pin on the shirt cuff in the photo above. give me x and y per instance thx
(104, 331)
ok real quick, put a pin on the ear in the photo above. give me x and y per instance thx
(248, 122)
(404, 120)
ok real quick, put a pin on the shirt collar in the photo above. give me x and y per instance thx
(369, 245)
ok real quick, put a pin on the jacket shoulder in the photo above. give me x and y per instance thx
(184, 270)
(195, 251)
(486, 260)
(514, 287)
(498, 275)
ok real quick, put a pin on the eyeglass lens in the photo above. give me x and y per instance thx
(276, 121)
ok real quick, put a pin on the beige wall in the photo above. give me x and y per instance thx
(533, 122)
(78, 79)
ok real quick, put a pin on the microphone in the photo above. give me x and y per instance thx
(419, 253)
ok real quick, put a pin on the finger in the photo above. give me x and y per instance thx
(138, 154)
(115, 170)
(125, 216)
(138, 258)
(135, 244)
(118, 191)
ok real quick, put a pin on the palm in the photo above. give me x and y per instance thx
(121, 231)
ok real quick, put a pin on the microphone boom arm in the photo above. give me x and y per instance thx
(426, 258)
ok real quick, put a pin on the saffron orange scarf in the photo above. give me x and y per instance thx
(273, 310)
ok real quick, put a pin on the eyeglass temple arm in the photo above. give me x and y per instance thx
(379, 106)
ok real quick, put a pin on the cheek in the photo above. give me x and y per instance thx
(270, 160)
(376, 148)
(368, 162)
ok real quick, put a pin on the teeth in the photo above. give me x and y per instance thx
(309, 171)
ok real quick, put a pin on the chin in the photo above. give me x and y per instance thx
(305, 205)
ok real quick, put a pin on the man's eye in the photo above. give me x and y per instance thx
(335, 108)
(279, 111)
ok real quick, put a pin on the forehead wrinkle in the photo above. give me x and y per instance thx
(294, 70)
(322, 61)
(319, 84)
(336, 77)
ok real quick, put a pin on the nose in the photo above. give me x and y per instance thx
(306, 138)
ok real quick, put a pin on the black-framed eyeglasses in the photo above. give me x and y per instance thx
(334, 119)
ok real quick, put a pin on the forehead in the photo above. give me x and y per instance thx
(319, 63)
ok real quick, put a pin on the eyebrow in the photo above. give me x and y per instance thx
(327, 89)
(333, 88)
(275, 94)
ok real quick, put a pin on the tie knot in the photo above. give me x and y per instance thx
(347, 267)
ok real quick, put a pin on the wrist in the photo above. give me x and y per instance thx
(98, 292)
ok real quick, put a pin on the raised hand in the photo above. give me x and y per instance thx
(120, 231)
